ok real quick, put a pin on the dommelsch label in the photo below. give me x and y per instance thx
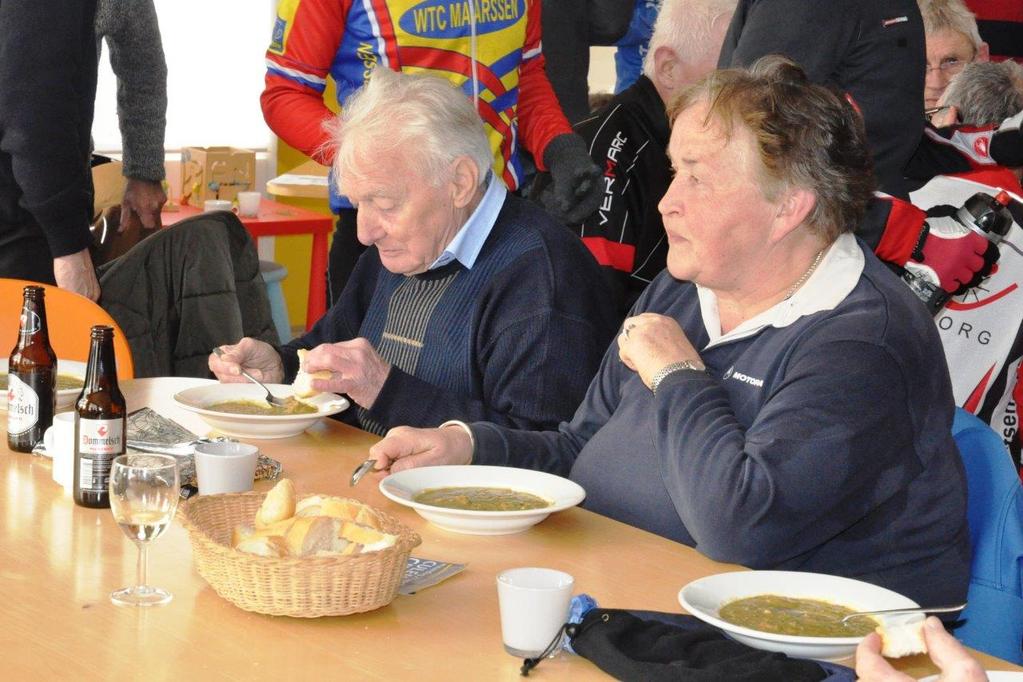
(99, 441)
(22, 406)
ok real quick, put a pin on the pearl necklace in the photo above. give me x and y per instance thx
(805, 275)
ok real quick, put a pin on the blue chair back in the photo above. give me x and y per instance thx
(994, 615)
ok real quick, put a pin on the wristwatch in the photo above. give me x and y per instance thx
(671, 368)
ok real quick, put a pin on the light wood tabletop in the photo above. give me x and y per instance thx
(59, 562)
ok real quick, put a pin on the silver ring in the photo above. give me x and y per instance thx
(628, 329)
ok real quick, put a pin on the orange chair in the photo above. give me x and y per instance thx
(68, 317)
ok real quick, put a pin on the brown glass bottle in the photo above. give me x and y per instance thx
(31, 376)
(100, 422)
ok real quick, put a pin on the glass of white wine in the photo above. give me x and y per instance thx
(144, 491)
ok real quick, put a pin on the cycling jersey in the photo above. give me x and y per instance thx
(489, 48)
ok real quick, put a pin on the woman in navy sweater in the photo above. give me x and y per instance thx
(778, 398)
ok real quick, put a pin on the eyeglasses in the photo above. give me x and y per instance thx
(948, 67)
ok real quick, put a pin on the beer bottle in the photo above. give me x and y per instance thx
(100, 419)
(31, 376)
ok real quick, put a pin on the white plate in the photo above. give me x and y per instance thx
(402, 486)
(704, 597)
(197, 399)
(65, 398)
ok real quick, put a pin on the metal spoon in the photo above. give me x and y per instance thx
(916, 609)
(270, 397)
(361, 471)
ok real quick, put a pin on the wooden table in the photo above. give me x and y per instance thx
(58, 563)
(277, 219)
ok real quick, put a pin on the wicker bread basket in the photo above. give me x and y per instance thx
(306, 587)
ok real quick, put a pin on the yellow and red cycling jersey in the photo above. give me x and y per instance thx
(491, 49)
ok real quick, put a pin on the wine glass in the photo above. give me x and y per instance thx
(144, 491)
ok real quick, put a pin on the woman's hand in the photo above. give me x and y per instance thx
(406, 448)
(649, 342)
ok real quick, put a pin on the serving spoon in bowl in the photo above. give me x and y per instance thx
(915, 609)
(270, 397)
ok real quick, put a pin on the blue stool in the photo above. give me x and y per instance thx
(272, 274)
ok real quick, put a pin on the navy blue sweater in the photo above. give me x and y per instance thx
(514, 341)
(822, 446)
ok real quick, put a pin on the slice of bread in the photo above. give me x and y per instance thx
(904, 638)
(303, 384)
(264, 545)
(278, 505)
(371, 540)
(310, 535)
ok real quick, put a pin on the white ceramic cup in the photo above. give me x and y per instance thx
(248, 204)
(534, 604)
(216, 205)
(59, 440)
(225, 467)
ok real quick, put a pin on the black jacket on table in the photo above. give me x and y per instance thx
(47, 90)
(873, 50)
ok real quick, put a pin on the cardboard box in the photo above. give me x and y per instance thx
(216, 173)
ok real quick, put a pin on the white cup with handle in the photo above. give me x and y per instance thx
(59, 441)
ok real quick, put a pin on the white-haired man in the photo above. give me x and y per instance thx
(953, 41)
(628, 140)
(469, 301)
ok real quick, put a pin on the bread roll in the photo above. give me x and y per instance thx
(264, 545)
(303, 384)
(902, 639)
(278, 505)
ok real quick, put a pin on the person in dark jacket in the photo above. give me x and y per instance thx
(628, 139)
(47, 92)
(872, 50)
(469, 303)
(778, 398)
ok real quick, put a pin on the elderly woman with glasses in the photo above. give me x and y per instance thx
(778, 398)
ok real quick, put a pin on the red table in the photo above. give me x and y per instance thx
(277, 219)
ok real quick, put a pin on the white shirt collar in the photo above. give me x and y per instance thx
(834, 279)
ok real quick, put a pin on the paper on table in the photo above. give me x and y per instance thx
(423, 573)
(292, 179)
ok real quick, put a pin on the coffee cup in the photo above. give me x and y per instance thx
(216, 205)
(248, 204)
(59, 441)
(534, 604)
(225, 467)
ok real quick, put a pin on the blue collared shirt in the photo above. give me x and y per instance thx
(466, 245)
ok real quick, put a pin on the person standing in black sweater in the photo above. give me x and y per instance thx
(47, 93)
(872, 50)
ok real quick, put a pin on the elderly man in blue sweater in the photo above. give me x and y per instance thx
(778, 398)
(470, 304)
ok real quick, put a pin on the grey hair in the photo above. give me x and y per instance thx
(424, 119)
(950, 15)
(986, 93)
(686, 26)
